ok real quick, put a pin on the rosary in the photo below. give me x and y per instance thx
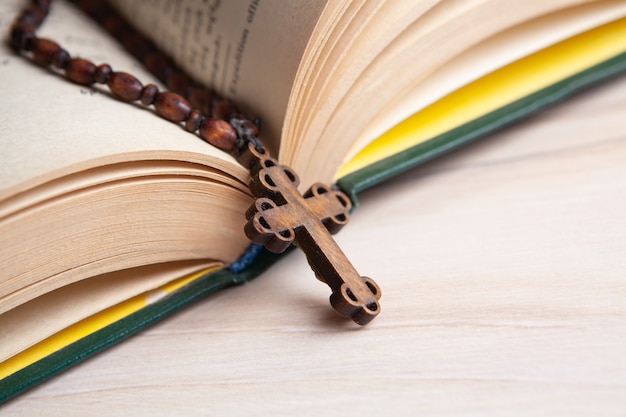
(280, 215)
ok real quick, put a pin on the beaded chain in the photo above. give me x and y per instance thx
(280, 215)
(216, 120)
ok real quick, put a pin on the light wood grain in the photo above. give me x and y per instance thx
(511, 301)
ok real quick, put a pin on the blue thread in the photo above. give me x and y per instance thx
(246, 258)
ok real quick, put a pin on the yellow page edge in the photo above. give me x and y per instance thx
(497, 89)
(93, 323)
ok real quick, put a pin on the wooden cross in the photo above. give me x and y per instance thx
(280, 215)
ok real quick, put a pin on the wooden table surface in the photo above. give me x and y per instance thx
(504, 293)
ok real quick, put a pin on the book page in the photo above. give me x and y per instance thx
(248, 51)
(350, 92)
(90, 184)
(50, 124)
(27, 324)
(486, 57)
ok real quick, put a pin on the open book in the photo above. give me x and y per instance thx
(113, 217)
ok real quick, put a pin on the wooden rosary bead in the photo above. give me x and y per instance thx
(61, 58)
(81, 71)
(178, 83)
(248, 128)
(172, 106)
(224, 110)
(194, 120)
(218, 133)
(44, 50)
(159, 65)
(47, 52)
(42, 4)
(201, 99)
(114, 25)
(103, 72)
(137, 45)
(94, 8)
(125, 86)
(33, 16)
(22, 36)
(148, 93)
